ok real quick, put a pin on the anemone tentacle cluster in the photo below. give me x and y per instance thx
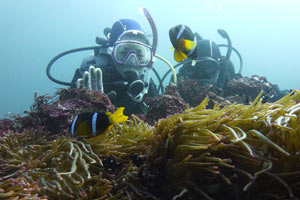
(227, 152)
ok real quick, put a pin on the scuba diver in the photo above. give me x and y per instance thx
(201, 58)
(124, 64)
(120, 66)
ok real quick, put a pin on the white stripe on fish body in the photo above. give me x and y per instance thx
(180, 32)
(73, 125)
(94, 120)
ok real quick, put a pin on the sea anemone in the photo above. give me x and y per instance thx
(230, 152)
(225, 153)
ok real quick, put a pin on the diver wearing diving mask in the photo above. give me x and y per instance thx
(125, 66)
(132, 56)
(207, 66)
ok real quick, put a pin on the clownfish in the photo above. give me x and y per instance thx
(89, 125)
(181, 49)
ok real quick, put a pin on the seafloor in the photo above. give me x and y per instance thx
(210, 148)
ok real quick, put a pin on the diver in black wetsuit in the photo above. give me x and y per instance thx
(207, 65)
(125, 65)
(120, 66)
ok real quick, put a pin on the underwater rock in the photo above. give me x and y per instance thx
(191, 91)
(6, 125)
(85, 99)
(216, 100)
(245, 85)
(194, 93)
(241, 99)
(55, 113)
(239, 90)
(245, 89)
(162, 106)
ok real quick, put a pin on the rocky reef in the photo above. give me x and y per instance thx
(208, 148)
(164, 105)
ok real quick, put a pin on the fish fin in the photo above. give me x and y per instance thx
(100, 136)
(188, 44)
(109, 127)
(84, 129)
(118, 116)
(179, 55)
(95, 139)
(172, 48)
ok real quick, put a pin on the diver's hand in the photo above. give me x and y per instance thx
(91, 79)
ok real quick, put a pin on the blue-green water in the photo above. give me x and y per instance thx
(33, 31)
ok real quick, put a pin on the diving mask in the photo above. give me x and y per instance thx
(134, 51)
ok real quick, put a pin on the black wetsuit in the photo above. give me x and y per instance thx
(212, 70)
(113, 81)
